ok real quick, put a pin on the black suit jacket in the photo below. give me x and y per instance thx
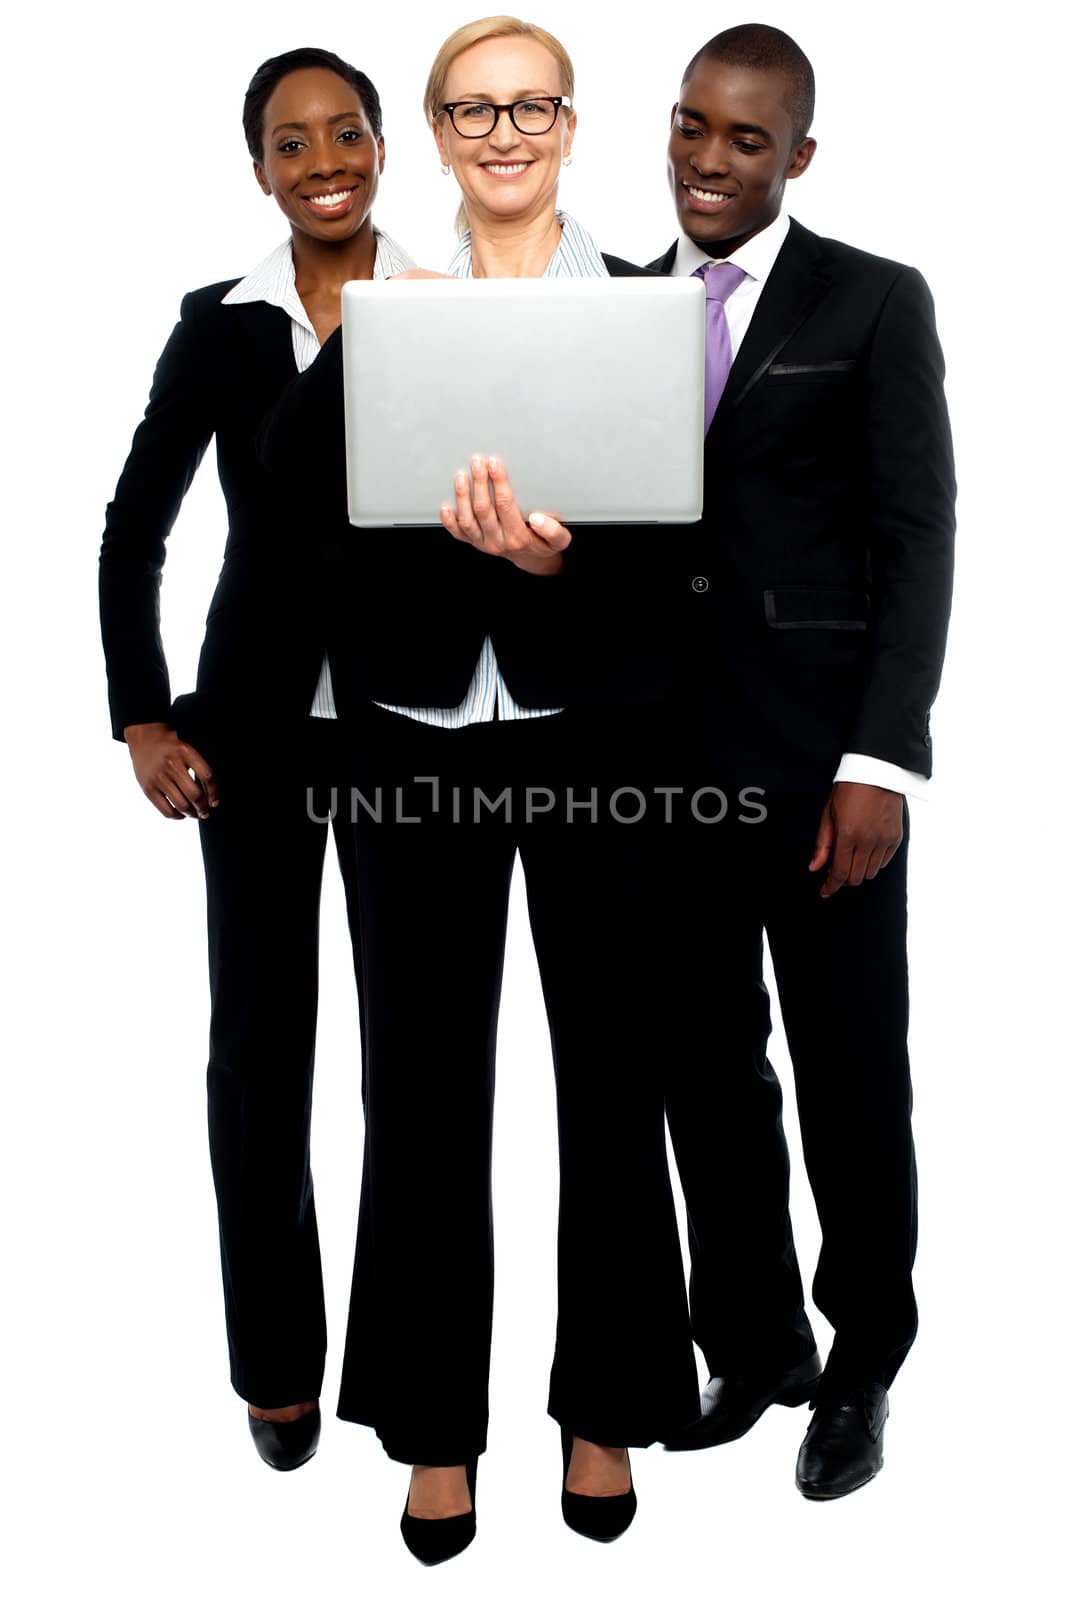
(406, 611)
(812, 600)
(221, 368)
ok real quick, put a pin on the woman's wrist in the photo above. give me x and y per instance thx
(540, 566)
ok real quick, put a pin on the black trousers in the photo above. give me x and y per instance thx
(841, 972)
(433, 908)
(263, 853)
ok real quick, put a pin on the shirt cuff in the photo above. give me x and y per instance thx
(870, 769)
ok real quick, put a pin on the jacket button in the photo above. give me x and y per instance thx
(700, 585)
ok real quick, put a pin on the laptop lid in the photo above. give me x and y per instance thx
(590, 389)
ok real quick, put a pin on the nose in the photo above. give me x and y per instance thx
(504, 135)
(711, 158)
(325, 159)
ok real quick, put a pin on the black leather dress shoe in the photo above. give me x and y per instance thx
(602, 1517)
(732, 1406)
(436, 1539)
(844, 1444)
(286, 1445)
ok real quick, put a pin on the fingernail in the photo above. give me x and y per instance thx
(476, 461)
(536, 520)
(493, 462)
(460, 480)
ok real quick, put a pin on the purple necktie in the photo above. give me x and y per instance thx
(720, 278)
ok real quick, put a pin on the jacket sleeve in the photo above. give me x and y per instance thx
(911, 523)
(167, 449)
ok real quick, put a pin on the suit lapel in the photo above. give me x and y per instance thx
(664, 263)
(794, 287)
(798, 281)
(266, 332)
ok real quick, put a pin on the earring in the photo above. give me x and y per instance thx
(445, 170)
(567, 161)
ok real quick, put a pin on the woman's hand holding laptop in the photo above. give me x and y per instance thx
(486, 515)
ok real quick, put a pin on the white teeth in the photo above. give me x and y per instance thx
(518, 166)
(705, 194)
(330, 199)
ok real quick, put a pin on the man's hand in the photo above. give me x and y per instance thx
(487, 516)
(161, 762)
(859, 832)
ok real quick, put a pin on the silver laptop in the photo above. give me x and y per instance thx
(590, 389)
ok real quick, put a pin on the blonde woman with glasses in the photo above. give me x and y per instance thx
(516, 691)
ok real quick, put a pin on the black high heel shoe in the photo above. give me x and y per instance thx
(286, 1445)
(601, 1517)
(436, 1539)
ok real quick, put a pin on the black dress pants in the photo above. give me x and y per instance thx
(841, 972)
(433, 909)
(263, 852)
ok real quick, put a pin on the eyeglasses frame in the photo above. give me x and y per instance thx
(557, 100)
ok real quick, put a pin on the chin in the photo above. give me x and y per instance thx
(501, 205)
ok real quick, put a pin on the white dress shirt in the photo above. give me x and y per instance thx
(757, 258)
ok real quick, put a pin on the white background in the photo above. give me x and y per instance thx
(127, 183)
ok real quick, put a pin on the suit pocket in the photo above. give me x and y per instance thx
(784, 370)
(811, 408)
(795, 606)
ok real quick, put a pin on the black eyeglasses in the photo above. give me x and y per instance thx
(475, 119)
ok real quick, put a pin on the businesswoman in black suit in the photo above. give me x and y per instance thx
(479, 704)
(238, 754)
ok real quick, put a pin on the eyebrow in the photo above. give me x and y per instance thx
(736, 127)
(486, 99)
(341, 116)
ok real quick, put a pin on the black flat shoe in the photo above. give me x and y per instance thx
(603, 1517)
(732, 1405)
(436, 1539)
(844, 1444)
(286, 1445)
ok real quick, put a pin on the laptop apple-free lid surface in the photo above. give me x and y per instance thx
(590, 389)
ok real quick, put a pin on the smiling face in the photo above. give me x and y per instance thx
(507, 175)
(320, 159)
(731, 152)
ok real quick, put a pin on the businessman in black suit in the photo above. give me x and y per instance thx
(816, 593)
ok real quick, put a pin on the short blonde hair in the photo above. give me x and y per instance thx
(474, 33)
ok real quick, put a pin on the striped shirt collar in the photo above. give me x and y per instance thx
(575, 257)
(274, 279)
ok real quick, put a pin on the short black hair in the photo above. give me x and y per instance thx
(765, 49)
(266, 78)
